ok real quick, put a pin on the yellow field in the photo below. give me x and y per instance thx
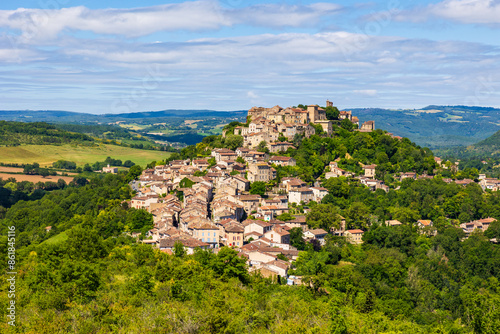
(4, 169)
(35, 178)
(45, 155)
(133, 127)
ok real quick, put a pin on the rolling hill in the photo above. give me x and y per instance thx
(436, 126)
(45, 155)
(26, 143)
(432, 126)
(56, 116)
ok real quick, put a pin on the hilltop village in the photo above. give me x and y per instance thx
(206, 202)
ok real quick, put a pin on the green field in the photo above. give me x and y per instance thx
(45, 155)
(57, 238)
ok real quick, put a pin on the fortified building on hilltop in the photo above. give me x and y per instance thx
(268, 124)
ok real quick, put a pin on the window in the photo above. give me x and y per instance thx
(202, 234)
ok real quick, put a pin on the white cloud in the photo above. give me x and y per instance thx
(41, 24)
(273, 15)
(469, 11)
(485, 12)
(238, 72)
(367, 92)
(44, 23)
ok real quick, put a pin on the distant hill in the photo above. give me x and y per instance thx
(51, 116)
(37, 133)
(490, 142)
(487, 148)
(436, 126)
(177, 113)
(432, 126)
(56, 116)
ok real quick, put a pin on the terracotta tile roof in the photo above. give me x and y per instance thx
(318, 231)
(258, 222)
(298, 219)
(205, 226)
(424, 222)
(280, 231)
(357, 231)
(189, 242)
(279, 263)
(254, 233)
(249, 197)
(234, 228)
(487, 220)
(280, 159)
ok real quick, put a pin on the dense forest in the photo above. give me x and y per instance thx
(436, 127)
(487, 149)
(38, 133)
(41, 133)
(87, 276)
(114, 134)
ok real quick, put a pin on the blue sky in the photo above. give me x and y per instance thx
(127, 56)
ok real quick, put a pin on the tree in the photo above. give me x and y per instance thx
(61, 183)
(29, 169)
(323, 216)
(64, 164)
(285, 217)
(405, 214)
(233, 141)
(337, 318)
(139, 220)
(358, 215)
(44, 172)
(258, 188)
(79, 181)
(493, 231)
(332, 113)
(228, 263)
(347, 124)
(133, 173)
(262, 147)
(85, 243)
(179, 250)
(318, 129)
(141, 283)
(296, 239)
(128, 163)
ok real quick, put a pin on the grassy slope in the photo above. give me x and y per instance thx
(57, 238)
(47, 154)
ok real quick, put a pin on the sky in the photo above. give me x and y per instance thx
(130, 56)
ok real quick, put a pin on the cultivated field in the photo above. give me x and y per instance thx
(35, 178)
(45, 155)
(11, 169)
(4, 169)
